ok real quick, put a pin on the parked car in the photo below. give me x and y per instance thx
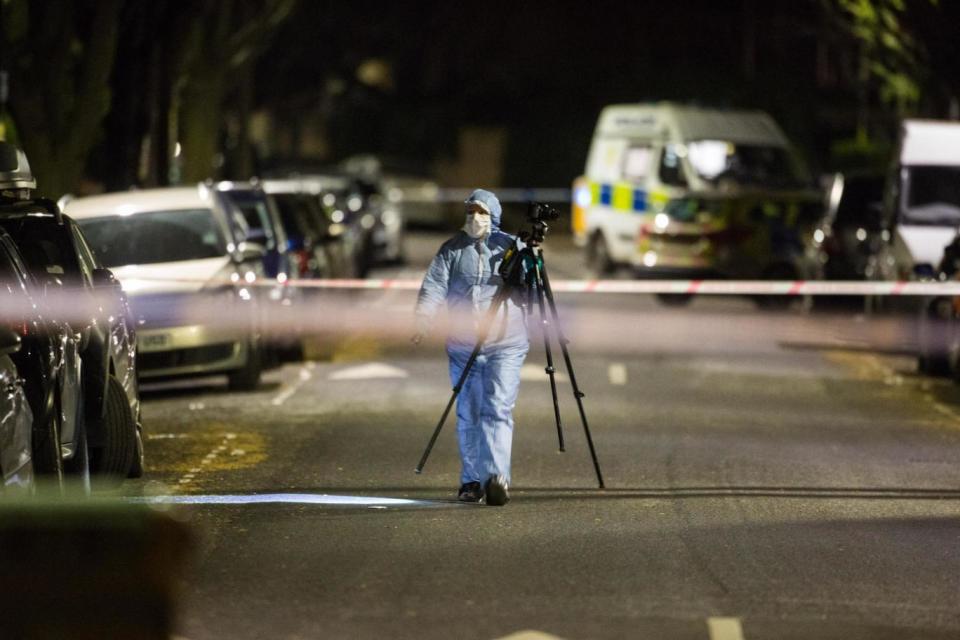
(317, 252)
(183, 261)
(16, 419)
(852, 227)
(280, 264)
(347, 220)
(48, 361)
(938, 328)
(56, 252)
(48, 356)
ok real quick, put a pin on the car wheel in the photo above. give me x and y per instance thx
(47, 459)
(116, 457)
(598, 256)
(247, 377)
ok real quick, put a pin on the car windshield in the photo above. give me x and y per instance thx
(931, 196)
(253, 207)
(745, 164)
(155, 236)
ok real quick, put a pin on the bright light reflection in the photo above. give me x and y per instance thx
(282, 498)
(250, 277)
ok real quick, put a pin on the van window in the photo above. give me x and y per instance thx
(745, 164)
(931, 196)
(671, 167)
(636, 163)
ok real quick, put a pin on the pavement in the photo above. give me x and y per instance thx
(775, 475)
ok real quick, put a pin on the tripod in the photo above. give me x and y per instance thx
(524, 267)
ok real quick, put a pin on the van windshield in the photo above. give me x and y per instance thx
(155, 236)
(744, 164)
(931, 196)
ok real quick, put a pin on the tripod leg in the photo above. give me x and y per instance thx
(577, 393)
(551, 370)
(481, 338)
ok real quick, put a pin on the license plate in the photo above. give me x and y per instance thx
(154, 342)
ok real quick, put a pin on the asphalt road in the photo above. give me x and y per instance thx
(768, 476)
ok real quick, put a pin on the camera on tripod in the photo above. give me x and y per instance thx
(540, 212)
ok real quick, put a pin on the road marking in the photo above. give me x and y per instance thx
(617, 373)
(166, 436)
(536, 373)
(372, 371)
(725, 629)
(304, 375)
(283, 498)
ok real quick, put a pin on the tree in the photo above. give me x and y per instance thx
(221, 41)
(59, 56)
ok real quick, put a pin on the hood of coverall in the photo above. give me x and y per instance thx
(490, 203)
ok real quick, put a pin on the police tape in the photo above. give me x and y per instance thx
(669, 287)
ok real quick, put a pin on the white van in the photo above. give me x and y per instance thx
(922, 205)
(659, 189)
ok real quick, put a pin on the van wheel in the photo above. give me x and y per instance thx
(247, 377)
(598, 256)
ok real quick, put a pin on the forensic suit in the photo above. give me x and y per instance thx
(464, 277)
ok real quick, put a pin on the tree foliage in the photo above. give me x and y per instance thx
(59, 56)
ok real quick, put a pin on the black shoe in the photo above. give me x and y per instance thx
(497, 492)
(470, 492)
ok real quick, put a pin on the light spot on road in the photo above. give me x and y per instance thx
(166, 436)
(617, 373)
(287, 498)
(371, 371)
(530, 635)
(725, 629)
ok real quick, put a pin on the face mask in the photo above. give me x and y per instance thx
(477, 226)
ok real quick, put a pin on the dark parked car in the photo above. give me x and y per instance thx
(57, 254)
(265, 227)
(48, 358)
(16, 419)
(308, 238)
(852, 226)
(48, 361)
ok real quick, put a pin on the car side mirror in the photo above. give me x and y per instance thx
(9, 341)
(104, 278)
(250, 251)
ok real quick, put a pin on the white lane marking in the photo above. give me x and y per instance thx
(537, 373)
(166, 436)
(281, 498)
(617, 373)
(725, 629)
(372, 371)
(196, 406)
(304, 375)
(189, 477)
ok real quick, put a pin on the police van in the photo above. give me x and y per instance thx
(684, 191)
